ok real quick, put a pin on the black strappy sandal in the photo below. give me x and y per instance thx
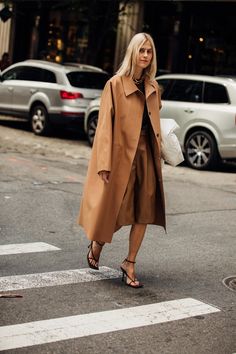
(126, 276)
(89, 259)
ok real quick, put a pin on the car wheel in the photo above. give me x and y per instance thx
(200, 150)
(91, 128)
(39, 120)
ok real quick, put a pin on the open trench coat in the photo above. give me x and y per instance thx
(114, 148)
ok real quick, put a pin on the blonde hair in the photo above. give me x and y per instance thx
(127, 67)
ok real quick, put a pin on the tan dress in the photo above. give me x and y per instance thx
(139, 202)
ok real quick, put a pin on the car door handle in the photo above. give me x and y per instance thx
(189, 110)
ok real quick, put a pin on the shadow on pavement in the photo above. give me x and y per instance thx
(227, 166)
(68, 133)
(223, 166)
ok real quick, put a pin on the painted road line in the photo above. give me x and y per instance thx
(16, 248)
(72, 276)
(64, 328)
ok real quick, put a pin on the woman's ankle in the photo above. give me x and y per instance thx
(130, 259)
(98, 243)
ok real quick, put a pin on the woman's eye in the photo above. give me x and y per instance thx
(142, 50)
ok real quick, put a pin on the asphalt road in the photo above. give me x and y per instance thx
(41, 183)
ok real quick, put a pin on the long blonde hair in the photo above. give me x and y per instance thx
(127, 67)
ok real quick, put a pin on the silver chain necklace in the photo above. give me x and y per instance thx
(138, 81)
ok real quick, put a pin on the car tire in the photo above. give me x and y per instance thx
(201, 150)
(39, 120)
(91, 128)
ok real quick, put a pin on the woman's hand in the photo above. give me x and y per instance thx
(104, 175)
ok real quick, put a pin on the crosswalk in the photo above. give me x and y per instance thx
(21, 335)
(47, 331)
(72, 276)
(30, 247)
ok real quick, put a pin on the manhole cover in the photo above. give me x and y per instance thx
(230, 282)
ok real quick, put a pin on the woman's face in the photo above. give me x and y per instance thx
(144, 55)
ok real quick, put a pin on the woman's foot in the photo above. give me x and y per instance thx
(93, 255)
(127, 269)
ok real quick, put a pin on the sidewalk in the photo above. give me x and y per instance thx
(21, 141)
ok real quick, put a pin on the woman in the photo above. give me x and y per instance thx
(124, 180)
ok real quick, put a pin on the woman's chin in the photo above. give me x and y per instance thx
(143, 66)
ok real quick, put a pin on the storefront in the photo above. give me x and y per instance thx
(190, 36)
(193, 36)
(59, 32)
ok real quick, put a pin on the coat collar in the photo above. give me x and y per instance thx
(149, 88)
(130, 87)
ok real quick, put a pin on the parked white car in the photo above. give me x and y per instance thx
(205, 109)
(48, 93)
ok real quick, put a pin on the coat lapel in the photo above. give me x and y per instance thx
(128, 85)
(149, 88)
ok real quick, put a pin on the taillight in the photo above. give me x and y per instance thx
(65, 95)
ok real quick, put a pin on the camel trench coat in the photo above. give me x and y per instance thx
(114, 148)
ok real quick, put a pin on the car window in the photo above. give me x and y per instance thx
(184, 90)
(164, 85)
(48, 76)
(90, 80)
(29, 74)
(11, 74)
(215, 93)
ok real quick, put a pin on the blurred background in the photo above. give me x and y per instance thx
(190, 36)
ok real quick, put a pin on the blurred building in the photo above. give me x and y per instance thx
(190, 36)
(5, 28)
(193, 36)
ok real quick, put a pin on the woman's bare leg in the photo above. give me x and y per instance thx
(136, 236)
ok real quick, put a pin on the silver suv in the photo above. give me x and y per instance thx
(48, 93)
(205, 109)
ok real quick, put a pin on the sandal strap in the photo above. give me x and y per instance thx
(127, 260)
(91, 250)
(131, 281)
(100, 244)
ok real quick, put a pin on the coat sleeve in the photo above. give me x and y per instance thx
(103, 137)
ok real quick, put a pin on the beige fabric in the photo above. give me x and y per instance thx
(139, 203)
(114, 149)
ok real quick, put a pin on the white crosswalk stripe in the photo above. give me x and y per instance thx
(71, 327)
(30, 247)
(52, 330)
(72, 276)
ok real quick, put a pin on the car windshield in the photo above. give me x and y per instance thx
(90, 80)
